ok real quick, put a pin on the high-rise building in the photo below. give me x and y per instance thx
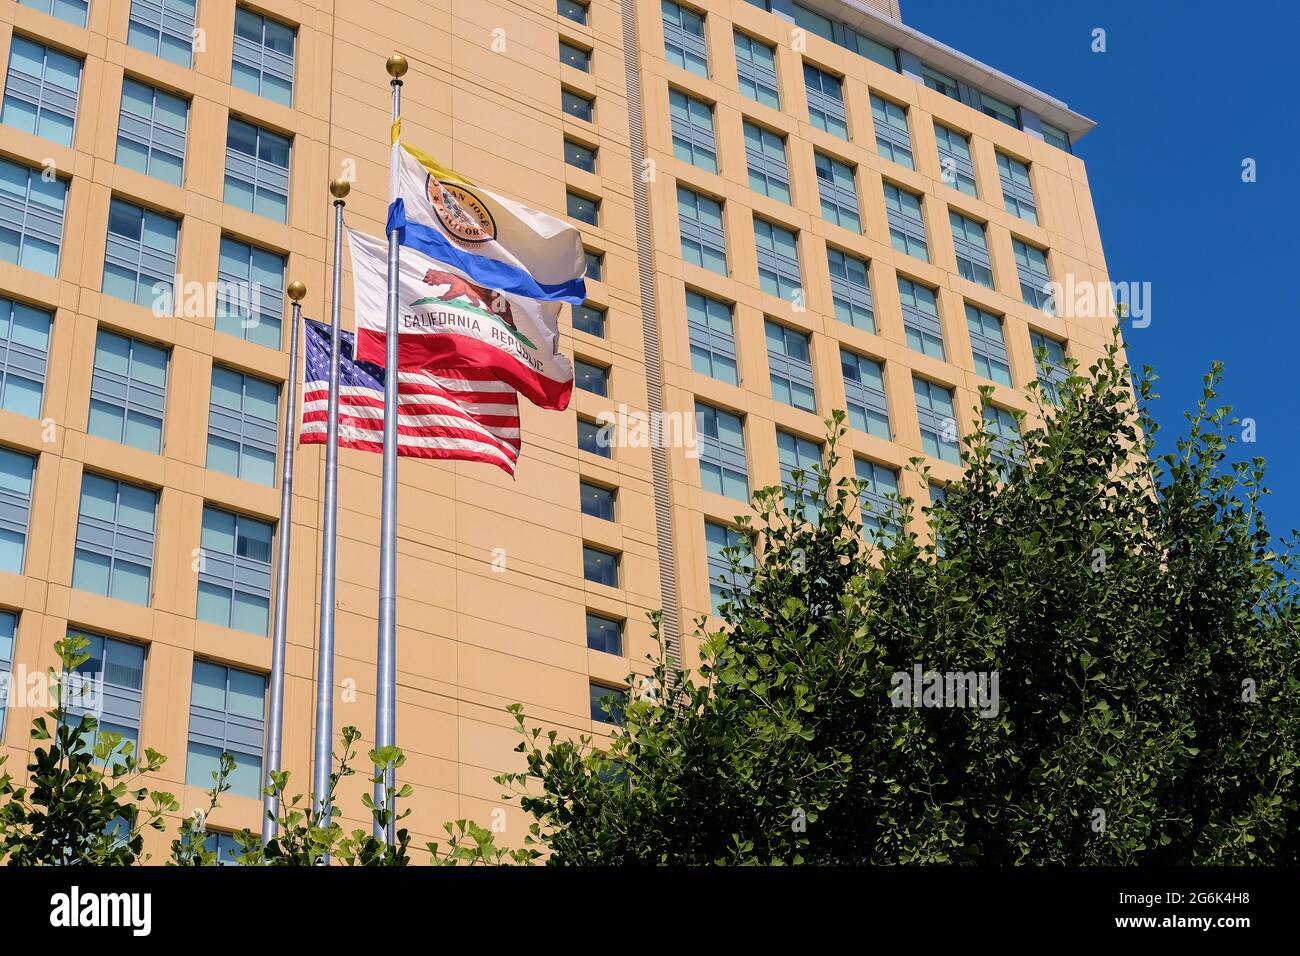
(788, 208)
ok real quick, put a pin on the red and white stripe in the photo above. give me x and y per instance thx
(465, 415)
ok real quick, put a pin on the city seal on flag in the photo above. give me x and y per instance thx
(461, 213)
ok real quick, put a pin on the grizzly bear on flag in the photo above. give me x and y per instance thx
(453, 287)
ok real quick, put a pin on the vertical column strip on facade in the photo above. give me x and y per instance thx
(650, 329)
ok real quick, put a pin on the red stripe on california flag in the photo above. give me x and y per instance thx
(446, 351)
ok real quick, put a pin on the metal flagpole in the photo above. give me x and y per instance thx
(322, 751)
(386, 664)
(275, 726)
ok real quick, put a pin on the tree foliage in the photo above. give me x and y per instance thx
(83, 803)
(1140, 623)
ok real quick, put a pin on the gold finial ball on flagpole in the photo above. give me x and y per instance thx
(396, 66)
(297, 291)
(339, 188)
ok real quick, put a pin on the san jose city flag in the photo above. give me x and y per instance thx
(494, 241)
(448, 320)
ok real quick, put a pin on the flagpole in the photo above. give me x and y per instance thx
(323, 752)
(275, 726)
(386, 662)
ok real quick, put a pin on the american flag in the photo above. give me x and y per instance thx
(461, 414)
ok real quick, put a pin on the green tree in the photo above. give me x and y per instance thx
(303, 838)
(1142, 628)
(84, 803)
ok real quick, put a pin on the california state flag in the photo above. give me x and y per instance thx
(445, 321)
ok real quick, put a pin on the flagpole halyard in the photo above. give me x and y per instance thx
(386, 658)
(275, 723)
(323, 744)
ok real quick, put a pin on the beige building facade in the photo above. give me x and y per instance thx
(788, 209)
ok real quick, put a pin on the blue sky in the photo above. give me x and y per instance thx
(1184, 92)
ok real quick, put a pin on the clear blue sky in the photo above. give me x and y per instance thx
(1185, 91)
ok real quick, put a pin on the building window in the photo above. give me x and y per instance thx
(988, 345)
(721, 436)
(789, 364)
(243, 422)
(607, 704)
(262, 62)
(583, 208)
(878, 502)
(799, 457)
(684, 38)
(73, 11)
(893, 140)
(128, 392)
(1049, 359)
(41, 91)
(600, 566)
(257, 170)
(227, 714)
(769, 172)
(864, 393)
(593, 438)
(955, 161)
(693, 140)
(578, 106)
(151, 129)
(906, 224)
(941, 83)
(250, 296)
(921, 317)
(851, 290)
(8, 631)
(572, 10)
(825, 101)
(590, 377)
(16, 472)
(597, 500)
(725, 581)
(839, 192)
(1004, 432)
(115, 534)
(703, 241)
(590, 319)
(1017, 189)
(575, 56)
(163, 28)
(713, 337)
(1031, 265)
(938, 420)
(24, 354)
(140, 258)
(595, 264)
(580, 156)
(778, 260)
(235, 573)
(31, 218)
(756, 70)
(121, 666)
(972, 249)
(992, 106)
(843, 35)
(604, 634)
(223, 845)
(1055, 136)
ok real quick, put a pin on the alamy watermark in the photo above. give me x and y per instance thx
(1087, 299)
(922, 688)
